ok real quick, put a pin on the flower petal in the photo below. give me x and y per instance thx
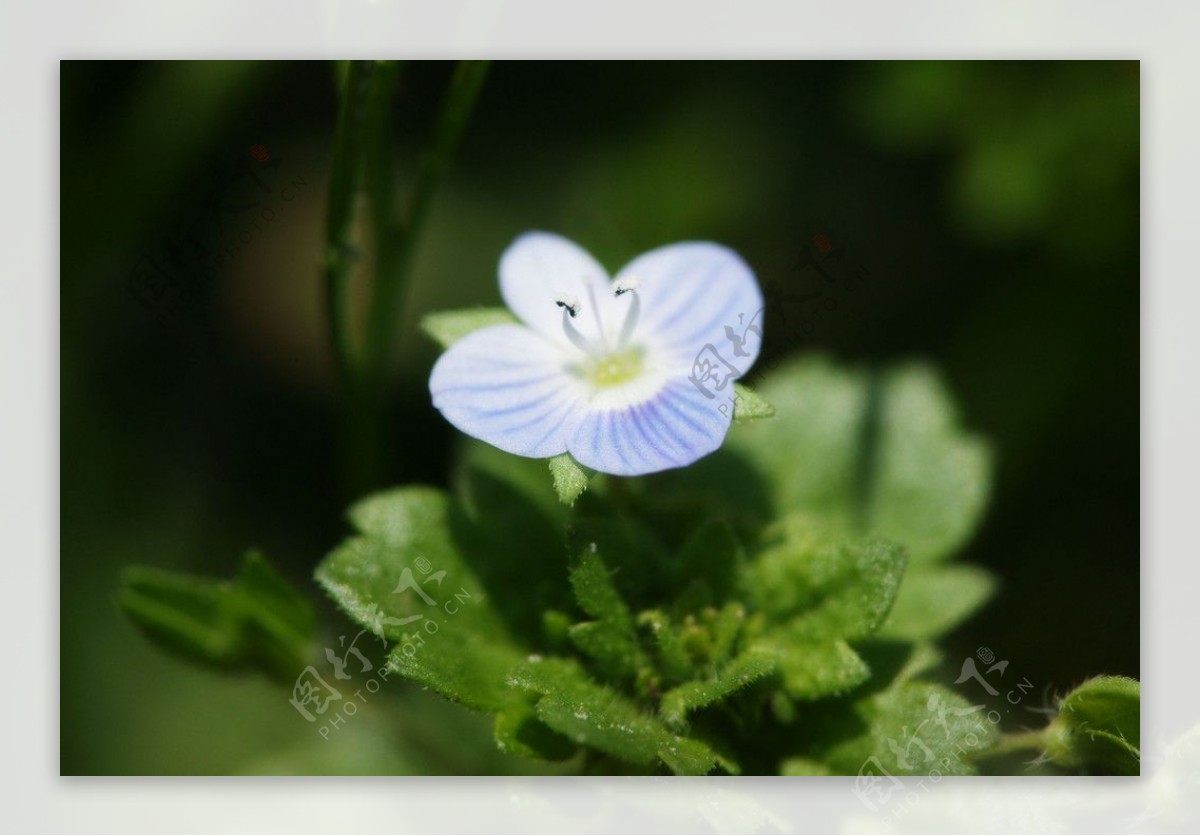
(540, 268)
(674, 428)
(508, 386)
(698, 294)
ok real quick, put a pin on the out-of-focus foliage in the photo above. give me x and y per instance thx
(255, 620)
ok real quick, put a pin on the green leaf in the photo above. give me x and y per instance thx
(405, 579)
(445, 327)
(1098, 727)
(827, 587)
(595, 716)
(519, 731)
(743, 670)
(255, 620)
(911, 729)
(502, 523)
(570, 478)
(749, 405)
(933, 600)
(611, 639)
(878, 452)
(673, 658)
(931, 483)
(810, 669)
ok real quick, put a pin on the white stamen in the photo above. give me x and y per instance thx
(628, 285)
(570, 309)
(625, 285)
(570, 304)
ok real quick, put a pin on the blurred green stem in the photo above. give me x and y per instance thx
(341, 251)
(360, 140)
(402, 237)
(364, 162)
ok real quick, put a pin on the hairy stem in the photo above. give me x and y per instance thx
(1027, 741)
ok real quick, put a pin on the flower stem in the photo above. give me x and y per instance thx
(360, 140)
(363, 162)
(401, 237)
(345, 178)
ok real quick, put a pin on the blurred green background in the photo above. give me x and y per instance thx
(993, 204)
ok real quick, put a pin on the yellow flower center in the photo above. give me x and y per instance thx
(612, 369)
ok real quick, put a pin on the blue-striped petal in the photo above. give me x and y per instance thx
(674, 428)
(541, 268)
(508, 386)
(698, 294)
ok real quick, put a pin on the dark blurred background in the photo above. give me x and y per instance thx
(993, 204)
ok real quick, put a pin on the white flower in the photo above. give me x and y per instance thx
(630, 376)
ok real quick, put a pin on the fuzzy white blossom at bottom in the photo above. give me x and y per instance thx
(630, 376)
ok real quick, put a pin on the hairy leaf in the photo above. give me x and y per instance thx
(913, 728)
(570, 478)
(595, 716)
(1098, 727)
(746, 668)
(825, 586)
(750, 405)
(813, 669)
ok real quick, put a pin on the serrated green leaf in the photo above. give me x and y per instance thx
(825, 587)
(406, 578)
(910, 729)
(518, 731)
(406, 567)
(933, 600)
(611, 639)
(811, 669)
(749, 405)
(595, 592)
(743, 670)
(882, 453)
(639, 563)
(1098, 727)
(595, 716)
(570, 478)
(674, 661)
(256, 620)
(466, 668)
(447, 326)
